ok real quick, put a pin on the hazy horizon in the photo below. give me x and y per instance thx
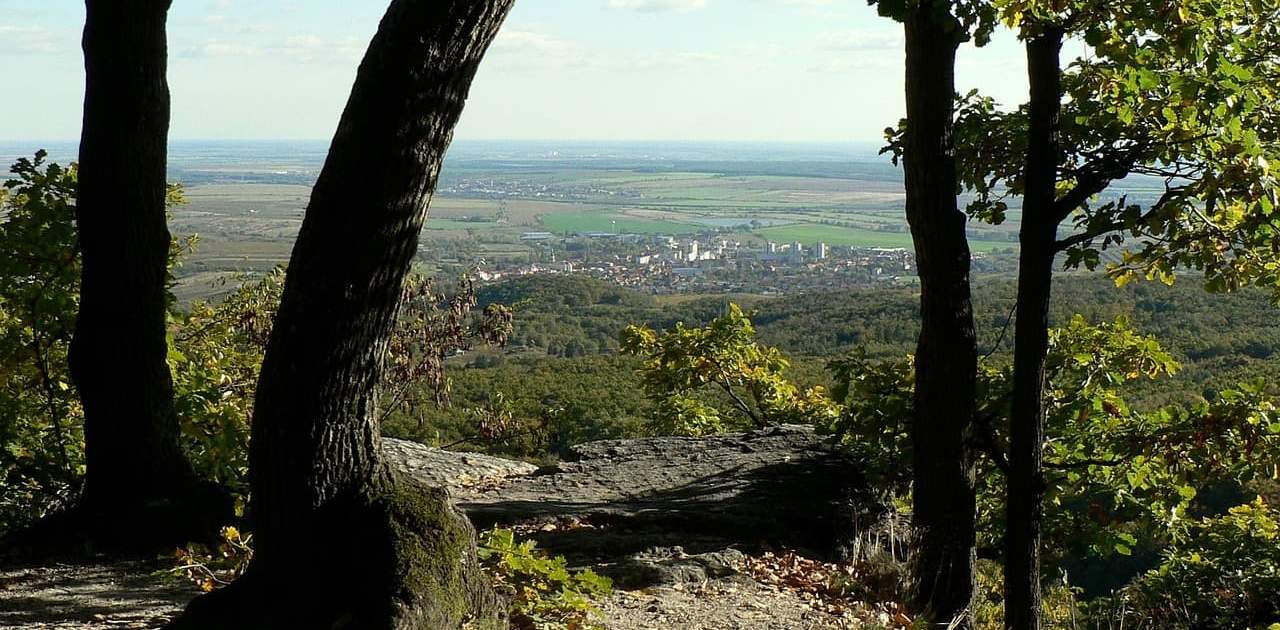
(311, 152)
(560, 70)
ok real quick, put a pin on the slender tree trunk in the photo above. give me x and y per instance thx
(1038, 238)
(342, 542)
(942, 560)
(136, 472)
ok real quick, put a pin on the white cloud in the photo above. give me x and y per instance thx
(303, 49)
(312, 48)
(27, 40)
(535, 50)
(657, 6)
(529, 48)
(531, 41)
(666, 60)
(861, 39)
(214, 47)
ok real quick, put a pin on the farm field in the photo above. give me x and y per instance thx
(835, 235)
(616, 222)
(840, 235)
(247, 204)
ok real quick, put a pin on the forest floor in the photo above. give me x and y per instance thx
(721, 533)
(128, 595)
(75, 596)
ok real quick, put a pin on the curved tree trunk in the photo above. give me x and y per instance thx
(1038, 240)
(943, 505)
(139, 486)
(341, 542)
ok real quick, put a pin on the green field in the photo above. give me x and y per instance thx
(455, 224)
(604, 221)
(809, 233)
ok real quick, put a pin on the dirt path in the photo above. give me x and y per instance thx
(66, 597)
(129, 595)
(740, 604)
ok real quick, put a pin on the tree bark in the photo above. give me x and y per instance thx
(1037, 240)
(139, 487)
(943, 504)
(341, 541)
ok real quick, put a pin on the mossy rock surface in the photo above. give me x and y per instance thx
(402, 558)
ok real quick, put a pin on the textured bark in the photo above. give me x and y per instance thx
(136, 472)
(1038, 238)
(341, 542)
(942, 562)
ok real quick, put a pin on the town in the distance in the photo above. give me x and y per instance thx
(661, 219)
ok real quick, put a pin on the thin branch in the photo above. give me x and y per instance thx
(999, 340)
(1084, 463)
(742, 404)
(1170, 194)
(1095, 176)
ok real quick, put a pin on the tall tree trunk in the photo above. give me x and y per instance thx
(342, 542)
(136, 472)
(1037, 239)
(943, 505)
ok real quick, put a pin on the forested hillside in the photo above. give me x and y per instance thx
(562, 352)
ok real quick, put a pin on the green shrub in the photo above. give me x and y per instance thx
(715, 378)
(41, 445)
(546, 595)
(215, 352)
(1220, 572)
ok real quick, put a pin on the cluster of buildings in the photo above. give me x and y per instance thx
(666, 264)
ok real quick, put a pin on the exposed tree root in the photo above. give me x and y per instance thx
(405, 559)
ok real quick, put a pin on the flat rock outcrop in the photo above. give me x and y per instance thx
(449, 469)
(782, 485)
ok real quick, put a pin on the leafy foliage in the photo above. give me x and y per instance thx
(877, 404)
(433, 326)
(41, 457)
(41, 420)
(1220, 572)
(724, 357)
(546, 594)
(215, 353)
(1219, 341)
(968, 19)
(1113, 470)
(550, 403)
(211, 568)
(1177, 94)
(215, 349)
(1060, 609)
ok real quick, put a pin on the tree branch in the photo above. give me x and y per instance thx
(1084, 463)
(742, 404)
(1095, 176)
(1170, 194)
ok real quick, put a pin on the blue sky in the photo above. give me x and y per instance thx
(764, 70)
